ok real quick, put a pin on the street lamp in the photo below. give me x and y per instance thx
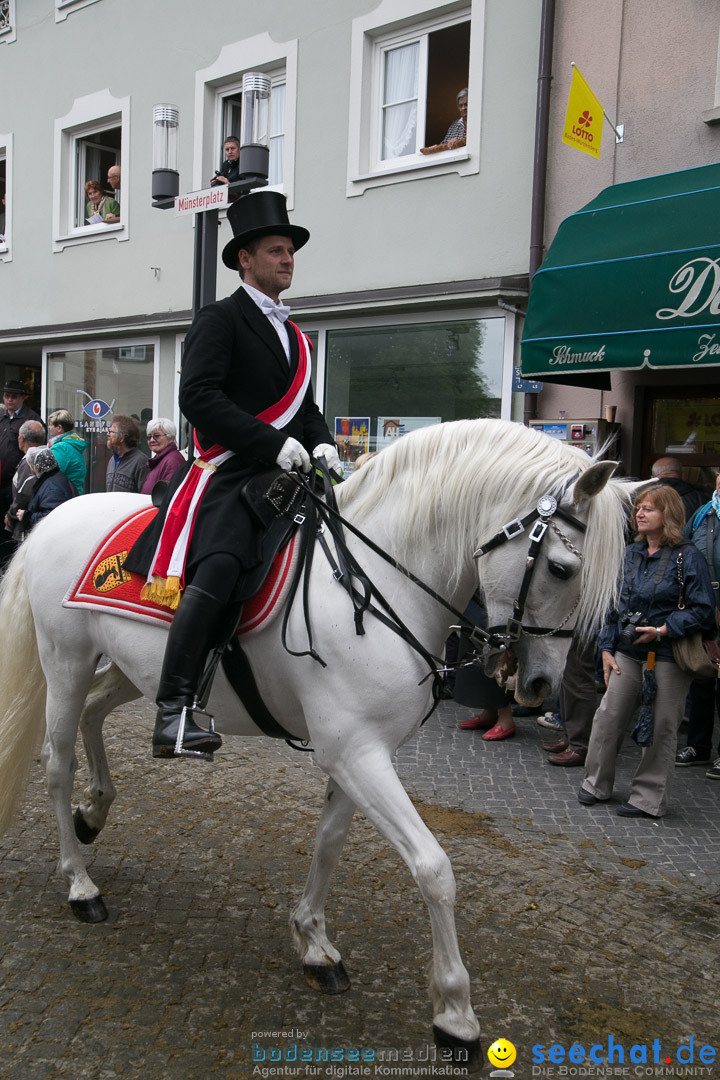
(254, 157)
(254, 160)
(253, 163)
(165, 175)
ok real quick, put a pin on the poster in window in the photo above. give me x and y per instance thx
(352, 435)
(390, 428)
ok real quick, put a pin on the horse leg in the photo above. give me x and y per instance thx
(110, 689)
(372, 784)
(322, 964)
(65, 700)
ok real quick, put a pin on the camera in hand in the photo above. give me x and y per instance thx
(629, 622)
(214, 182)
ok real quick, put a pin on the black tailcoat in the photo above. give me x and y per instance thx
(234, 367)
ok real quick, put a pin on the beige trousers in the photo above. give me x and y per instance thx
(651, 782)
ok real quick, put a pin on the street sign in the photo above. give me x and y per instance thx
(527, 386)
(197, 202)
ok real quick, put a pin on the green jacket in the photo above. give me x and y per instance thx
(69, 450)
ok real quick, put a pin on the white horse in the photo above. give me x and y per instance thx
(429, 500)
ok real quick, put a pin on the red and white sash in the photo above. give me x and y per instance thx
(166, 579)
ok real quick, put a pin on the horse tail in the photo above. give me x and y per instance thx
(22, 689)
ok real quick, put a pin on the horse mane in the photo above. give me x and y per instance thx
(456, 484)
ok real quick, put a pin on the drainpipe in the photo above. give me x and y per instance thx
(542, 126)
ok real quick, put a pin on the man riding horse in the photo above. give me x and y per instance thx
(245, 387)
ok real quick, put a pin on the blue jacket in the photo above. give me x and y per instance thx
(697, 531)
(658, 603)
(49, 492)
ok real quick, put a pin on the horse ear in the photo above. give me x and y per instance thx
(593, 480)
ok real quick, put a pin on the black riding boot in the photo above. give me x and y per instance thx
(193, 632)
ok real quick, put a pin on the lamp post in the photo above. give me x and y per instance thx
(253, 163)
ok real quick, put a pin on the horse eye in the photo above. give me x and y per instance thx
(559, 571)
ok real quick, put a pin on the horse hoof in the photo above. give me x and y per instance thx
(84, 833)
(464, 1051)
(90, 911)
(327, 978)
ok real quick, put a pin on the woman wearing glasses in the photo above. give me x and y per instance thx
(166, 458)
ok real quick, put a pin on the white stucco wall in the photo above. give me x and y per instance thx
(442, 228)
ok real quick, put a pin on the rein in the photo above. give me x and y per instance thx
(498, 637)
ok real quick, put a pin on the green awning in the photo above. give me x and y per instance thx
(630, 281)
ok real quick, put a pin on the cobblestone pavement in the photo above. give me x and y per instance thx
(576, 926)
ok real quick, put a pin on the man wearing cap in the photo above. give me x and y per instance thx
(245, 387)
(17, 412)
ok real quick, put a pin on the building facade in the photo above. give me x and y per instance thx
(656, 70)
(417, 263)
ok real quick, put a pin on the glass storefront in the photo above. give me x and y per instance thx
(686, 424)
(92, 384)
(383, 381)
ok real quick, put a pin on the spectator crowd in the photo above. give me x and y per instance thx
(44, 465)
(633, 676)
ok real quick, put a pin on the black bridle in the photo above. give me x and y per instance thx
(540, 519)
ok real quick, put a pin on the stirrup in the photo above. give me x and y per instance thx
(192, 711)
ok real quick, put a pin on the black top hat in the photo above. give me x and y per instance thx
(262, 213)
(14, 386)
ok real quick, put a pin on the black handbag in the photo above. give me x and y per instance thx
(696, 653)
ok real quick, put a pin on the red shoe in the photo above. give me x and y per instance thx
(484, 720)
(498, 732)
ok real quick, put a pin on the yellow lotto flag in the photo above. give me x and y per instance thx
(584, 118)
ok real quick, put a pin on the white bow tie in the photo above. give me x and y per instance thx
(275, 311)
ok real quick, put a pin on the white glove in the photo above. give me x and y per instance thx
(293, 455)
(329, 452)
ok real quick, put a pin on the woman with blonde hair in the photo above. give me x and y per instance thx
(69, 447)
(654, 609)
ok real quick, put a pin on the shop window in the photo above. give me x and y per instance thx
(384, 381)
(218, 101)
(408, 64)
(7, 21)
(96, 381)
(685, 425)
(63, 8)
(93, 137)
(231, 124)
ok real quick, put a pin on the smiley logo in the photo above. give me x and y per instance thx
(502, 1053)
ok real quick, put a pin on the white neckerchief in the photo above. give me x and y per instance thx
(275, 313)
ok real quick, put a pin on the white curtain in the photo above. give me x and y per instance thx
(277, 133)
(400, 101)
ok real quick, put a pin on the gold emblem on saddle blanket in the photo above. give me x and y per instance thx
(110, 573)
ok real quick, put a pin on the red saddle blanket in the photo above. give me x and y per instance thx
(105, 585)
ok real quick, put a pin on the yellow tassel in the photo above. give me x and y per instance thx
(165, 591)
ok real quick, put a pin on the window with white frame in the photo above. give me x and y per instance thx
(219, 103)
(7, 21)
(407, 68)
(231, 122)
(91, 139)
(419, 74)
